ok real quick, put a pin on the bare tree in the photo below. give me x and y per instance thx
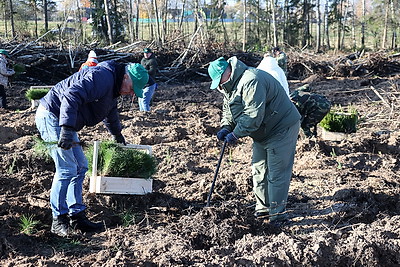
(326, 25)
(395, 25)
(318, 34)
(12, 18)
(157, 18)
(363, 24)
(274, 30)
(244, 26)
(385, 25)
(109, 29)
(137, 18)
(46, 16)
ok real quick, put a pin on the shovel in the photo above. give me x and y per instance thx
(215, 175)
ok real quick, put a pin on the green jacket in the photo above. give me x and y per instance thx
(255, 103)
(150, 64)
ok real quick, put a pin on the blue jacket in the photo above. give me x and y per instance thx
(88, 97)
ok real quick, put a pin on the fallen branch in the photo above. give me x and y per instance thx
(379, 95)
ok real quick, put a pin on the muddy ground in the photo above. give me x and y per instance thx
(343, 205)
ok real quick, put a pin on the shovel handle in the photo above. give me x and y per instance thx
(216, 174)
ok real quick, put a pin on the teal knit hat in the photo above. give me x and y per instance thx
(4, 52)
(139, 77)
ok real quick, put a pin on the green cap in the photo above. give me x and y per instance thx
(4, 52)
(139, 76)
(215, 70)
(147, 50)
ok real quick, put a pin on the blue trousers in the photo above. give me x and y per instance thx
(71, 166)
(148, 92)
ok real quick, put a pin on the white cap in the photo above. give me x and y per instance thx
(92, 54)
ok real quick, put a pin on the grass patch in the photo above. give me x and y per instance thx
(340, 120)
(116, 161)
(128, 218)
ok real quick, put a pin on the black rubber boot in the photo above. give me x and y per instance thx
(60, 225)
(79, 221)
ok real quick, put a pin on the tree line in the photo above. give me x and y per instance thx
(247, 25)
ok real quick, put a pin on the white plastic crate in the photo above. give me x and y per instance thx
(119, 185)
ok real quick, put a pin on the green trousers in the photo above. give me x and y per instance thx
(272, 165)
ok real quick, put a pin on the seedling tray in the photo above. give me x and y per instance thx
(119, 185)
(333, 136)
(35, 102)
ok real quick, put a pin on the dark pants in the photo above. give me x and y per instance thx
(3, 100)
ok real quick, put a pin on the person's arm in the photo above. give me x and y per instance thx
(4, 70)
(227, 121)
(152, 67)
(253, 97)
(112, 121)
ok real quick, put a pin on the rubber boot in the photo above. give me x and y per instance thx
(60, 225)
(79, 221)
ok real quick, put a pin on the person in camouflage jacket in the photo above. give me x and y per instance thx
(281, 58)
(312, 108)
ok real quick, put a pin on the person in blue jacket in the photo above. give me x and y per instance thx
(83, 99)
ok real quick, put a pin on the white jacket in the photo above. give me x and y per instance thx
(269, 64)
(4, 72)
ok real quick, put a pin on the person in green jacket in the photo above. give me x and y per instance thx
(256, 105)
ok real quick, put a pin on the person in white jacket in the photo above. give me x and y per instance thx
(4, 74)
(269, 64)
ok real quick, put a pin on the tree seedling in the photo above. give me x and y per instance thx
(28, 224)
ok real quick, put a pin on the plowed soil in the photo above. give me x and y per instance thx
(343, 205)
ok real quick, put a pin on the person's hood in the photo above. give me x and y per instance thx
(268, 63)
(238, 68)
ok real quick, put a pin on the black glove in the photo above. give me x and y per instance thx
(222, 134)
(120, 139)
(231, 138)
(66, 137)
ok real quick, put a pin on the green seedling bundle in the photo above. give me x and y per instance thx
(117, 161)
(36, 93)
(340, 120)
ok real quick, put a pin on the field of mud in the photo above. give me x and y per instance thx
(343, 205)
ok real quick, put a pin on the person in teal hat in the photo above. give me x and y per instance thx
(82, 100)
(5, 73)
(256, 105)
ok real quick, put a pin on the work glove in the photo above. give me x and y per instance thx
(120, 139)
(66, 137)
(222, 134)
(231, 138)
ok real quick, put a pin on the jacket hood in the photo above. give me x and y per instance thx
(268, 63)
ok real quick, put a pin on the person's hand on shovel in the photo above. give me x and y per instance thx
(231, 138)
(222, 134)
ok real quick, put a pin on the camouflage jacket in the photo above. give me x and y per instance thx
(282, 61)
(308, 103)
